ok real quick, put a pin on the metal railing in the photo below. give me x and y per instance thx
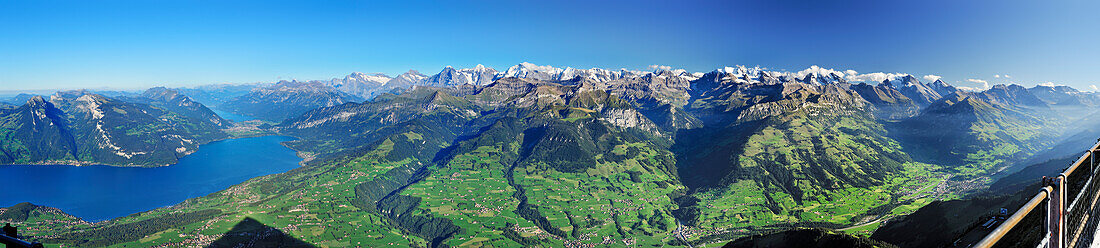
(14, 242)
(1065, 225)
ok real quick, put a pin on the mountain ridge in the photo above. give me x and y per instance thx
(546, 156)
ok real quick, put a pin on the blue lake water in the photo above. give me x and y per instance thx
(231, 116)
(97, 193)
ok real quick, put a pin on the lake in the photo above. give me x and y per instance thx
(97, 193)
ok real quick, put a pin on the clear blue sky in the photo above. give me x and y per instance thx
(124, 44)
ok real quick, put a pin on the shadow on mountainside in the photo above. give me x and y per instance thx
(815, 237)
(252, 233)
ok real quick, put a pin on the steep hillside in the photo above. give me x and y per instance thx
(36, 131)
(791, 154)
(78, 127)
(555, 174)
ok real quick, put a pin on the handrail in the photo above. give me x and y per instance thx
(1080, 160)
(1077, 163)
(1055, 189)
(1080, 228)
(14, 242)
(1011, 222)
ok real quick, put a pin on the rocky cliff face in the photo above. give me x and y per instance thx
(942, 88)
(889, 103)
(920, 93)
(450, 76)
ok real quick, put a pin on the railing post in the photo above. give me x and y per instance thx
(1055, 211)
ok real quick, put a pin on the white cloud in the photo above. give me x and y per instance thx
(985, 84)
(851, 75)
(662, 67)
(997, 75)
(1006, 76)
(874, 77)
(817, 70)
(932, 78)
(1050, 84)
(848, 75)
(971, 89)
(1093, 88)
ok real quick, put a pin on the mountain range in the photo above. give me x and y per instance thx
(545, 156)
(286, 99)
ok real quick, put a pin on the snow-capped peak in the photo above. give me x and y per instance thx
(532, 71)
(818, 75)
(812, 75)
(479, 75)
(555, 74)
(359, 77)
(409, 78)
(412, 75)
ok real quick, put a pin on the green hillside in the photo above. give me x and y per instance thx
(78, 127)
(660, 160)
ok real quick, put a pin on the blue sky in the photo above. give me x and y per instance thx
(129, 45)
